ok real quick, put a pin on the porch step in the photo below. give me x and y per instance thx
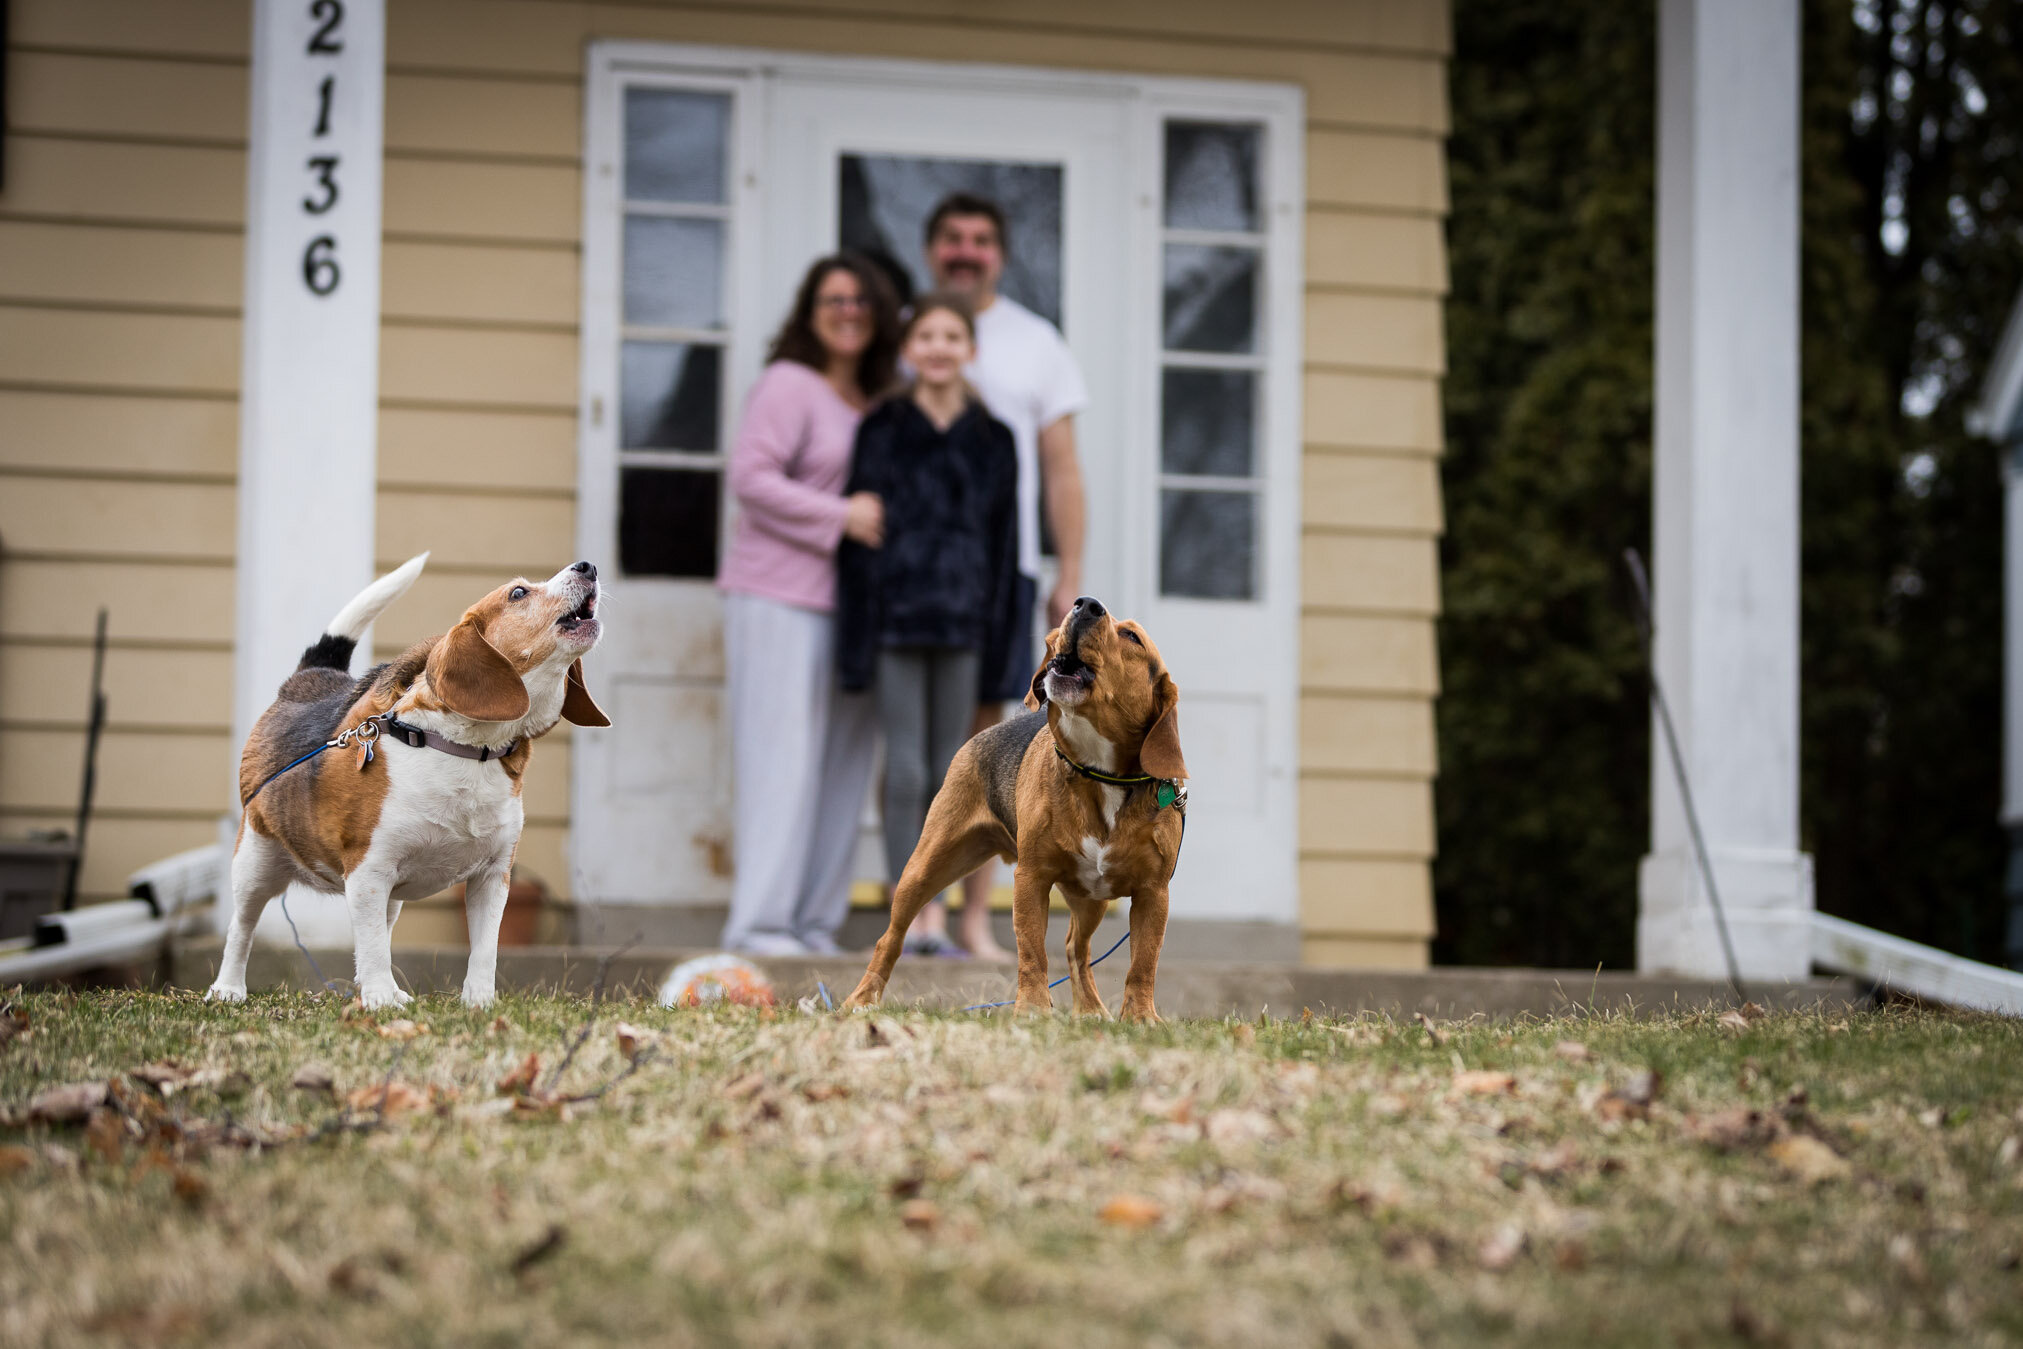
(1186, 988)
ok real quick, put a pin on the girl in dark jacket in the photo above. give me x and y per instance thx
(924, 616)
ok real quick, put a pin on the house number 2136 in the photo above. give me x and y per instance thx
(320, 271)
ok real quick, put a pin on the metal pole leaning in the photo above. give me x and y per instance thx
(1646, 627)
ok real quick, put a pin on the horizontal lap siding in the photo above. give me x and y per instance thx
(119, 281)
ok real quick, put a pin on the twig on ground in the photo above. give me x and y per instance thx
(596, 996)
(637, 1061)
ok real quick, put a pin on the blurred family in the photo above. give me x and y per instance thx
(883, 573)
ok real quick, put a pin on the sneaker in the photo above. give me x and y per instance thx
(934, 944)
(822, 944)
(764, 944)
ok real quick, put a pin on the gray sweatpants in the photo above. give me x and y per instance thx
(801, 751)
(926, 702)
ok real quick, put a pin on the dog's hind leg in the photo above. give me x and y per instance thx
(259, 872)
(929, 871)
(1084, 915)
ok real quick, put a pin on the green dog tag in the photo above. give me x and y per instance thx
(1164, 796)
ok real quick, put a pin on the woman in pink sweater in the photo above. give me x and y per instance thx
(800, 747)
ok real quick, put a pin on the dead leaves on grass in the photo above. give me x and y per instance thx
(1130, 1210)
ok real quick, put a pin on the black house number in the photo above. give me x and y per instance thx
(320, 272)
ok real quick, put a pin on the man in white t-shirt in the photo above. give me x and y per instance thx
(1030, 382)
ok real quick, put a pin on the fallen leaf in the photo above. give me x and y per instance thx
(1130, 1210)
(1573, 1051)
(1633, 1099)
(499, 1026)
(1753, 1012)
(1502, 1247)
(920, 1214)
(314, 1078)
(521, 1080)
(540, 1249)
(1485, 1082)
(189, 1187)
(401, 1030)
(1738, 1128)
(1243, 1033)
(1734, 1021)
(747, 1086)
(1569, 1255)
(391, 1099)
(164, 1076)
(630, 1037)
(71, 1103)
(1238, 1126)
(13, 1025)
(14, 1158)
(105, 1136)
(1808, 1159)
(1433, 1032)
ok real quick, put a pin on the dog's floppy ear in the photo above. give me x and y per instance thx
(473, 679)
(578, 707)
(1160, 754)
(1036, 696)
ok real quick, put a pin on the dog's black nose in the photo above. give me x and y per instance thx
(1090, 605)
(588, 569)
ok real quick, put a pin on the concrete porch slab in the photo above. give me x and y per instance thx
(1186, 988)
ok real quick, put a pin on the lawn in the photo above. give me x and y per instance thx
(796, 1178)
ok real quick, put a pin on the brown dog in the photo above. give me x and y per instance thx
(424, 789)
(1094, 806)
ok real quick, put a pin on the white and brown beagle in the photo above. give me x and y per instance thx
(424, 791)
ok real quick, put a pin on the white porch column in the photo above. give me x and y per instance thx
(309, 386)
(1726, 488)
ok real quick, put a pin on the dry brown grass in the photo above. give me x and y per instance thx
(933, 1179)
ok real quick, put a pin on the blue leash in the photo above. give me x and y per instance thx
(986, 1006)
(366, 731)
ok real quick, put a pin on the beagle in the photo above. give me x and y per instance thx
(1094, 806)
(422, 787)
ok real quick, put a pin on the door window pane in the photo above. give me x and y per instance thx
(667, 521)
(676, 145)
(1211, 177)
(884, 201)
(1211, 298)
(668, 396)
(673, 272)
(1208, 545)
(1207, 421)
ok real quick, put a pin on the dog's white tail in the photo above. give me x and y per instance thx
(354, 618)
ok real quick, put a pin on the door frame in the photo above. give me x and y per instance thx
(749, 74)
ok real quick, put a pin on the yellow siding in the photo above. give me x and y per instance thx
(119, 294)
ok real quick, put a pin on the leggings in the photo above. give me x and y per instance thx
(926, 704)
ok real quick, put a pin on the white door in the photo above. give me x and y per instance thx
(715, 177)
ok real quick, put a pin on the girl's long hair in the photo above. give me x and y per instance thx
(796, 341)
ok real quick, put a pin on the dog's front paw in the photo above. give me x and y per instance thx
(388, 994)
(224, 992)
(479, 995)
(1141, 1012)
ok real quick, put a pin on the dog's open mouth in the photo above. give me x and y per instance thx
(586, 612)
(1069, 676)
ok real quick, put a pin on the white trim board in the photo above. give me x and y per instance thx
(1911, 967)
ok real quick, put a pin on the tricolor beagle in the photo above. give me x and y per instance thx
(424, 790)
(1094, 806)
